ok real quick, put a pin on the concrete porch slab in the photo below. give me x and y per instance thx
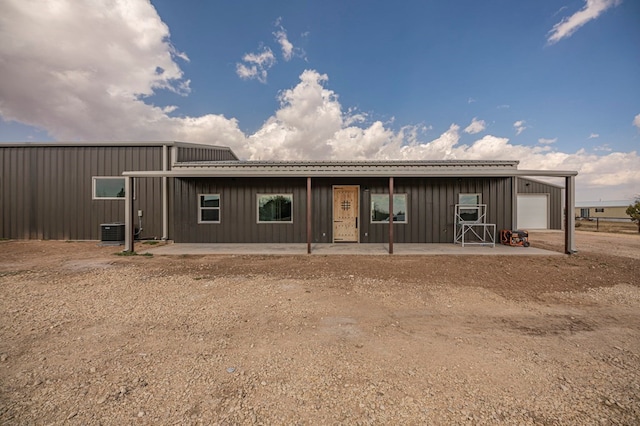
(345, 249)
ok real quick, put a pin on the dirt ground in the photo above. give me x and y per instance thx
(87, 337)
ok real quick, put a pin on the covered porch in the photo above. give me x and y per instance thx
(341, 249)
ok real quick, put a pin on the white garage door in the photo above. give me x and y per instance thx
(533, 211)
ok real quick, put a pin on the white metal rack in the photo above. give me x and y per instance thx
(471, 227)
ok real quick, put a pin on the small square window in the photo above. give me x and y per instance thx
(600, 210)
(209, 208)
(275, 208)
(108, 188)
(380, 208)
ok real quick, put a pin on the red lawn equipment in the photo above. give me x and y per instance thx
(514, 238)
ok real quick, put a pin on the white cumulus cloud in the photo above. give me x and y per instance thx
(476, 126)
(289, 51)
(547, 141)
(519, 126)
(256, 65)
(82, 71)
(283, 41)
(569, 25)
(593, 136)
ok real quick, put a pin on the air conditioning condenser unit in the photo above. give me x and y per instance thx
(112, 233)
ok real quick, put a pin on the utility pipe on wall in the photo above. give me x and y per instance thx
(165, 199)
(128, 214)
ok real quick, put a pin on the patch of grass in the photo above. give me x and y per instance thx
(126, 253)
(132, 253)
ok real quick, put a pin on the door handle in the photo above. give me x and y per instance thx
(356, 223)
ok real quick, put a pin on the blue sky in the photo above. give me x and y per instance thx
(553, 84)
(427, 62)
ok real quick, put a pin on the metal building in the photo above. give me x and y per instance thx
(64, 191)
(200, 193)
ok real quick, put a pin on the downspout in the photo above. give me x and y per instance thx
(165, 195)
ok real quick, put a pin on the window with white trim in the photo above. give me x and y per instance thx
(471, 213)
(380, 208)
(108, 188)
(209, 208)
(275, 208)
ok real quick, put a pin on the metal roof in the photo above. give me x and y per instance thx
(404, 163)
(112, 143)
(614, 203)
(347, 168)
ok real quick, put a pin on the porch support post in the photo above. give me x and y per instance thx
(309, 215)
(129, 230)
(391, 215)
(569, 216)
(514, 203)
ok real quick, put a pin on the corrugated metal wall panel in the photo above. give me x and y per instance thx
(530, 186)
(47, 191)
(238, 211)
(431, 204)
(205, 154)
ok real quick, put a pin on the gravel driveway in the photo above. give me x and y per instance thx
(87, 337)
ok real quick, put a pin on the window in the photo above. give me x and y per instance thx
(470, 214)
(380, 208)
(584, 212)
(108, 188)
(276, 208)
(209, 208)
(600, 210)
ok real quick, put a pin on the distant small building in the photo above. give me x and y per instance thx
(615, 210)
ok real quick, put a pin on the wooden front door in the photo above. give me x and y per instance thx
(346, 212)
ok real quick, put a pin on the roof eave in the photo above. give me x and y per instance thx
(110, 143)
(314, 173)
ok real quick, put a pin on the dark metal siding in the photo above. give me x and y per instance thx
(238, 211)
(47, 191)
(431, 206)
(529, 186)
(205, 154)
(430, 201)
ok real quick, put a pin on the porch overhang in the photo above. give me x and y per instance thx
(386, 169)
(345, 172)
